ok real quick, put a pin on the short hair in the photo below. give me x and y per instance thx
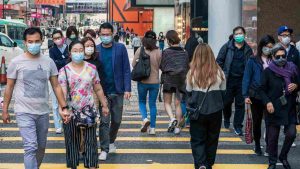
(239, 28)
(57, 31)
(277, 47)
(84, 40)
(70, 30)
(91, 32)
(73, 44)
(173, 37)
(31, 31)
(106, 25)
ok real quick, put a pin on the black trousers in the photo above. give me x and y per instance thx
(273, 136)
(204, 139)
(257, 109)
(234, 93)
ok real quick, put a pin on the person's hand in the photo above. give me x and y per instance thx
(270, 108)
(105, 111)
(292, 87)
(5, 117)
(127, 95)
(248, 101)
(65, 115)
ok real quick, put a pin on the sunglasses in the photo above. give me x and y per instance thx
(280, 56)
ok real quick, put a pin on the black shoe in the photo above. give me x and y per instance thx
(238, 131)
(226, 124)
(272, 166)
(285, 163)
(258, 151)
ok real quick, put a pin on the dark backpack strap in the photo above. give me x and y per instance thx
(68, 86)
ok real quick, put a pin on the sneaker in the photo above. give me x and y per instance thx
(294, 144)
(238, 131)
(266, 154)
(202, 167)
(172, 125)
(103, 156)
(145, 125)
(151, 131)
(226, 124)
(112, 148)
(177, 130)
(58, 131)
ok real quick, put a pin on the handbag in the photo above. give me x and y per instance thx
(142, 69)
(86, 117)
(193, 113)
(249, 125)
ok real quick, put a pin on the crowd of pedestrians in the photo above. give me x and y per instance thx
(90, 77)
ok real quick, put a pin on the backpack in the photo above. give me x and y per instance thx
(142, 69)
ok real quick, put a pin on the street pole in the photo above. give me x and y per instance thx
(3, 11)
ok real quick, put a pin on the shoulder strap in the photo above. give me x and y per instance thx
(68, 86)
(200, 106)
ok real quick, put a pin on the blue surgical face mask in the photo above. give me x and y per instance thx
(34, 48)
(77, 57)
(106, 39)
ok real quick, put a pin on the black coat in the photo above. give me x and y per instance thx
(226, 55)
(60, 59)
(271, 90)
(294, 56)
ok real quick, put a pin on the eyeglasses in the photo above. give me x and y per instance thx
(286, 35)
(277, 57)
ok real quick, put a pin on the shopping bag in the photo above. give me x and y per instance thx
(249, 125)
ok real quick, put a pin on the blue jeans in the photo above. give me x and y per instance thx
(161, 45)
(56, 116)
(143, 90)
(183, 109)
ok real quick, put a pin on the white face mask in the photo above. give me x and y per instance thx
(286, 40)
(89, 50)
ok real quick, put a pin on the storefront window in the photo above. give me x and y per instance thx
(250, 22)
(182, 19)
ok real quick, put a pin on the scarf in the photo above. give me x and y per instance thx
(288, 71)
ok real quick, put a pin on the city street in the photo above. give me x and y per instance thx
(140, 151)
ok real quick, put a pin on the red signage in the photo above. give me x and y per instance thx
(50, 2)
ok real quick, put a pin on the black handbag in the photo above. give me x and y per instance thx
(142, 69)
(192, 112)
(86, 117)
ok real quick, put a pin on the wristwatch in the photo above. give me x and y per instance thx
(65, 107)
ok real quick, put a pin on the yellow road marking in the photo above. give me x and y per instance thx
(139, 166)
(120, 130)
(123, 122)
(126, 116)
(137, 151)
(145, 139)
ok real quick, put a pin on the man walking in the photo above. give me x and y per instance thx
(136, 42)
(116, 83)
(28, 76)
(232, 58)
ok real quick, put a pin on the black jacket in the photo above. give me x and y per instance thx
(271, 90)
(226, 55)
(60, 59)
(294, 56)
(190, 46)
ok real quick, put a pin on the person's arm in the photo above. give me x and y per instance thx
(127, 73)
(222, 56)
(136, 56)
(7, 98)
(189, 86)
(100, 94)
(247, 79)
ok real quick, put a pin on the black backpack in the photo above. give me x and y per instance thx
(142, 69)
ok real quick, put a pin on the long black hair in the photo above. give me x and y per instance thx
(264, 41)
(86, 39)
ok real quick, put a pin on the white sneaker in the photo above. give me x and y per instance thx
(58, 131)
(177, 130)
(112, 148)
(172, 124)
(145, 125)
(151, 131)
(103, 156)
(294, 144)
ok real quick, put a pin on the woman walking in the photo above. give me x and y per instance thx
(174, 67)
(206, 86)
(161, 41)
(72, 35)
(279, 86)
(251, 83)
(150, 85)
(78, 80)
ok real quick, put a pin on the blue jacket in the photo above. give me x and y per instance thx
(56, 55)
(251, 79)
(121, 67)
